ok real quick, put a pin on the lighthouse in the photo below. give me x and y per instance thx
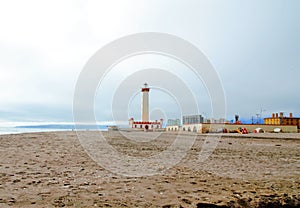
(145, 124)
(145, 103)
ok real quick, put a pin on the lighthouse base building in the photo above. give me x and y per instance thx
(145, 123)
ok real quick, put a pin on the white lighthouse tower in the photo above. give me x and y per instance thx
(145, 103)
(145, 124)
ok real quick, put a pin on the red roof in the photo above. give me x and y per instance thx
(145, 89)
(146, 122)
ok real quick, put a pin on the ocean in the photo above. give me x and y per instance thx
(47, 128)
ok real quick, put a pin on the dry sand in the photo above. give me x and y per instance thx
(53, 170)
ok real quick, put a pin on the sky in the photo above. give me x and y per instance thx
(254, 47)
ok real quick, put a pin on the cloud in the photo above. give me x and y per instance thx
(253, 45)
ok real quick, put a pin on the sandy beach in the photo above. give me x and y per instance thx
(53, 170)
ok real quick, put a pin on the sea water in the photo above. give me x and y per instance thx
(15, 130)
(46, 128)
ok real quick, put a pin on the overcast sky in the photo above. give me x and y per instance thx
(253, 45)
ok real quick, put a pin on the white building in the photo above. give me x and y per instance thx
(173, 122)
(173, 128)
(192, 119)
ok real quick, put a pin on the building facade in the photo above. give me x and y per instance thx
(282, 120)
(214, 120)
(173, 122)
(192, 119)
(218, 127)
(173, 128)
(147, 125)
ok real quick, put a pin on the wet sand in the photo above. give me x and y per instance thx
(53, 170)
